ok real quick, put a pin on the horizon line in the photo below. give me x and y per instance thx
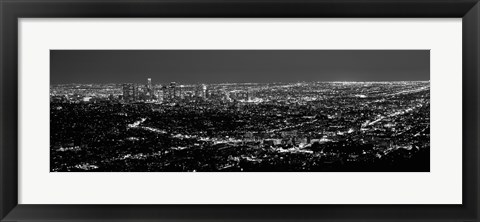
(380, 81)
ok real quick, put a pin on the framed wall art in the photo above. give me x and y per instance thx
(239, 110)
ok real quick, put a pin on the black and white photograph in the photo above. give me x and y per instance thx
(239, 110)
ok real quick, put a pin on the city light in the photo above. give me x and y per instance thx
(301, 126)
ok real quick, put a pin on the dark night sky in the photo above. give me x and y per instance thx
(217, 66)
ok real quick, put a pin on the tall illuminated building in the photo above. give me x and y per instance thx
(149, 83)
(166, 93)
(173, 90)
(207, 92)
(129, 92)
(204, 91)
(159, 95)
(150, 90)
(180, 92)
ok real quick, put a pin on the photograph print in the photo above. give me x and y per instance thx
(240, 111)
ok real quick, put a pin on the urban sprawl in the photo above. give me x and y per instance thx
(262, 127)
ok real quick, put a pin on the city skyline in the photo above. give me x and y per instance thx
(174, 92)
(237, 66)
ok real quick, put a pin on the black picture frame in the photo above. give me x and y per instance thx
(12, 10)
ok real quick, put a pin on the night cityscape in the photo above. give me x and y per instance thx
(240, 110)
(266, 127)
